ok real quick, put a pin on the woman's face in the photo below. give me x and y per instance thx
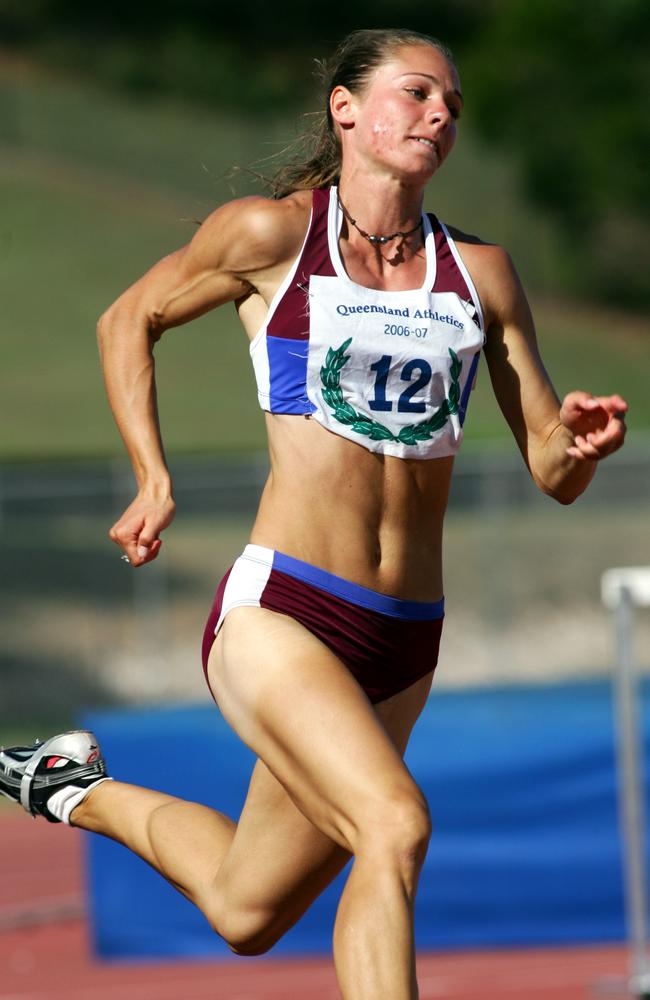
(404, 121)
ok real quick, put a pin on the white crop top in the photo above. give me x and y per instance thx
(391, 371)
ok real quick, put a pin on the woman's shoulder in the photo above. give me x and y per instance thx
(490, 265)
(474, 246)
(264, 218)
(252, 233)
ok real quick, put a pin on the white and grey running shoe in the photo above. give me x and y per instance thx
(32, 775)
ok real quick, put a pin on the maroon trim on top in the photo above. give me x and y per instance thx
(290, 319)
(449, 277)
(316, 257)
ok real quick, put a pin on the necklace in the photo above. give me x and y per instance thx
(373, 238)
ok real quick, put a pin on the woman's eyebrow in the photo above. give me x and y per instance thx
(434, 79)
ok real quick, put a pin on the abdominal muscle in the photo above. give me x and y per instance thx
(372, 519)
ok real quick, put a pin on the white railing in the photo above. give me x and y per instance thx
(623, 590)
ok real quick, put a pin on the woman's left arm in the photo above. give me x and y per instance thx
(560, 443)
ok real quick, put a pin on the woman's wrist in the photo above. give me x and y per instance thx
(156, 487)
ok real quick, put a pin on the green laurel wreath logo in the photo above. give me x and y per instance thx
(330, 375)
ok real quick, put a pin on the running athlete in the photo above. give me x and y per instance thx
(366, 319)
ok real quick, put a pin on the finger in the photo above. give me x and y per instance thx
(588, 403)
(608, 440)
(581, 412)
(142, 555)
(600, 443)
(587, 449)
(116, 533)
(125, 538)
(614, 404)
(583, 401)
(125, 534)
(147, 537)
(576, 453)
(574, 404)
(614, 430)
(147, 553)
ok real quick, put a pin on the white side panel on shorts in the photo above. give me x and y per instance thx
(247, 580)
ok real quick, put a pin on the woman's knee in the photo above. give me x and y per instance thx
(249, 942)
(398, 829)
(247, 932)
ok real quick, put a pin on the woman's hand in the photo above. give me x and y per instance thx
(596, 422)
(137, 532)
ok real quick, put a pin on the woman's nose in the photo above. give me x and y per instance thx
(439, 114)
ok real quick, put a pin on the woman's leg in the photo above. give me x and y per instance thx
(285, 861)
(332, 783)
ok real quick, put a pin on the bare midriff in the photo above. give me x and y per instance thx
(370, 518)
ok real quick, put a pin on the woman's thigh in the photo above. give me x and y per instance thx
(300, 710)
(326, 756)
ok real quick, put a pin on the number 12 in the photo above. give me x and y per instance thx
(404, 404)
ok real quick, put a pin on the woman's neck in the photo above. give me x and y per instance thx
(379, 205)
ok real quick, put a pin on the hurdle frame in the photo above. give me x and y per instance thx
(623, 590)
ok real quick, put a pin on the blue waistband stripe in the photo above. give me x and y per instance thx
(356, 594)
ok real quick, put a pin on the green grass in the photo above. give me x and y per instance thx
(95, 189)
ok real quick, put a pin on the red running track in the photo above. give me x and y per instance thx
(45, 953)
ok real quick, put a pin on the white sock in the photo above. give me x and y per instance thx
(61, 803)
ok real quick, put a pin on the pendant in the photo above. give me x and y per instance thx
(373, 238)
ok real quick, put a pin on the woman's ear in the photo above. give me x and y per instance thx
(342, 106)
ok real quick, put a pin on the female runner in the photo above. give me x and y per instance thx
(366, 320)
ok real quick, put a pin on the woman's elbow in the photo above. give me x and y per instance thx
(562, 496)
(102, 325)
(133, 327)
(565, 490)
(108, 322)
(566, 498)
(103, 332)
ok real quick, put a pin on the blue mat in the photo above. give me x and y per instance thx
(521, 785)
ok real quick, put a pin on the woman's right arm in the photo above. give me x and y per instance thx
(237, 250)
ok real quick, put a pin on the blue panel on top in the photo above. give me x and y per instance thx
(469, 385)
(288, 375)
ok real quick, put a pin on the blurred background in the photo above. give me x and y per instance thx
(120, 126)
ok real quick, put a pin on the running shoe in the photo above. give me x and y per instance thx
(31, 775)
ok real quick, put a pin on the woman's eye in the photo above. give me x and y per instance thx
(417, 92)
